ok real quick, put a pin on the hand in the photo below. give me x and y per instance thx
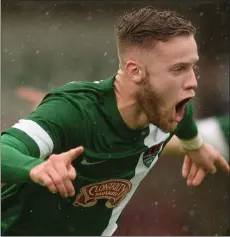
(208, 158)
(57, 172)
(198, 162)
(192, 172)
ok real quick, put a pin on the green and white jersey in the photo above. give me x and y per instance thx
(115, 160)
(215, 131)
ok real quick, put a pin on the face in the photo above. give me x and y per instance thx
(168, 82)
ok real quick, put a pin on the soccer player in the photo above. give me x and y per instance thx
(74, 163)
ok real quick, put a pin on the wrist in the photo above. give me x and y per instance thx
(192, 144)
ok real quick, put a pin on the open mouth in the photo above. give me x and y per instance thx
(179, 108)
(181, 105)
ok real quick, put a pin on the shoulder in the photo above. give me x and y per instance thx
(78, 87)
(79, 91)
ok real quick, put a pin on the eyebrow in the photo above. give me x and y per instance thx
(185, 63)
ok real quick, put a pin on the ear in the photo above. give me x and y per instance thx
(135, 71)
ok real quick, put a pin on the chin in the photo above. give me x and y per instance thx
(169, 127)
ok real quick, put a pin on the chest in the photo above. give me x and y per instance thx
(108, 155)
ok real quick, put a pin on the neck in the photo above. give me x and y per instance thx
(129, 108)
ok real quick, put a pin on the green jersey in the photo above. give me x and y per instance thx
(115, 160)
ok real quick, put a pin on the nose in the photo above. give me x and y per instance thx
(191, 82)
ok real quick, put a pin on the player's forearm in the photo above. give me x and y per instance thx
(173, 147)
(15, 166)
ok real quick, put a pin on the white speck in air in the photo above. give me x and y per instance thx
(5, 50)
(105, 53)
(185, 228)
(47, 13)
(143, 133)
(201, 13)
(156, 203)
(37, 52)
(31, 211)
(11, 53)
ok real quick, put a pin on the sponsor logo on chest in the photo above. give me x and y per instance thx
(114, 191)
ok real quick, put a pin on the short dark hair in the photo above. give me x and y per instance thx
(139, 27)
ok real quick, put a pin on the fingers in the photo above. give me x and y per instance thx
(72, 173)
(55, 177)
(210, 166)
(186, 167)
(66, 177)
(57, 172)
(192, 174)
(198, 177)
(58, 181)
(72, 154)
(222, 163)
(46, 180)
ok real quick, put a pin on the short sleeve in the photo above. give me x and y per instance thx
(54, 127)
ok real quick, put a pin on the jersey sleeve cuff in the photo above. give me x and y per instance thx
(192, 144)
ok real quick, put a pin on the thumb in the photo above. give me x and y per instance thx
(72, 154)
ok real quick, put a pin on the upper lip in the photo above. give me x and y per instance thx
(186, 98)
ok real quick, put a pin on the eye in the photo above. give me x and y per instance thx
(179, 69)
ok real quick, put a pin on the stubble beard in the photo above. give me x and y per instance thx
(152, 105)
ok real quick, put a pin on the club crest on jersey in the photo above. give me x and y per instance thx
(151, 153)
(113, 190)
